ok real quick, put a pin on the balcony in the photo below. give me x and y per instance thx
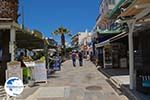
(112, 6)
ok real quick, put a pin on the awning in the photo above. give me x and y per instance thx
(136, 7)
(25, 38)
(119, 36)
(29, 39)
(116, 8)
(107, 32)
(38, 50)
(108, 41)
(102, 44)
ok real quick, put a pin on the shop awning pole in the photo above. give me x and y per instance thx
(131, 25)
(12, 43)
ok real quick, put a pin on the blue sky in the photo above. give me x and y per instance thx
(48, 15)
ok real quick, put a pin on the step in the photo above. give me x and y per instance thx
(2, 95)
(2, 91)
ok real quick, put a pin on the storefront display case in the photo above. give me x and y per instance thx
(107, 56)
(119, 55)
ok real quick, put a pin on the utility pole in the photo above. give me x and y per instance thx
(22, 8)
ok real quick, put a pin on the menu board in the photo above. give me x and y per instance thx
(14, 70)
(40, 72)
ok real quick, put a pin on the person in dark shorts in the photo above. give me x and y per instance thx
(74, 58)
(80, 55)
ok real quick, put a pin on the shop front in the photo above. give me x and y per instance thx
(142, 59)
(104, 48)
(16, 41)
(119, 49)
(4, 53)
(137, 14)
(114, 51)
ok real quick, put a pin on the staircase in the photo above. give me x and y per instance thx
(2, 92)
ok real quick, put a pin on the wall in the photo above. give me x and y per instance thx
(82, 35)
(9, 9)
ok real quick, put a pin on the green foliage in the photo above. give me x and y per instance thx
(60, 31)
(69, 49)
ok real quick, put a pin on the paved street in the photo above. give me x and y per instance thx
(74, 83)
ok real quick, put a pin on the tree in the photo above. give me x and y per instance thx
(62, 31)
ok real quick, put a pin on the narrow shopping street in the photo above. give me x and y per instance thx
(74, 83)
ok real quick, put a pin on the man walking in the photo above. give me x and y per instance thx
(74, 58)
(80, 55)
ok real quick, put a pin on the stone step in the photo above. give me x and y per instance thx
(3, 95)
(2, 91)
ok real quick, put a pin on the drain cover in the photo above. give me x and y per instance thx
(94, 88)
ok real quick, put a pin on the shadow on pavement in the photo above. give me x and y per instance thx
(114, 72)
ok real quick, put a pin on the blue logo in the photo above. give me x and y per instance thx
(14, 86)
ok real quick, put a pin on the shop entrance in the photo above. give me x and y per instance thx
(4, 53)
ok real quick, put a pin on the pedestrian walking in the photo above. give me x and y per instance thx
(80, 55)
(74, 58)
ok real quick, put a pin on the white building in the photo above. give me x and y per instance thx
(85, 42)
(84, 37)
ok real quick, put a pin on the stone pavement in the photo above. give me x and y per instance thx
(74, 83)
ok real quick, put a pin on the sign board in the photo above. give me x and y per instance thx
(40, 64)
(14, 70)
(40, 72)
(13, 65)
